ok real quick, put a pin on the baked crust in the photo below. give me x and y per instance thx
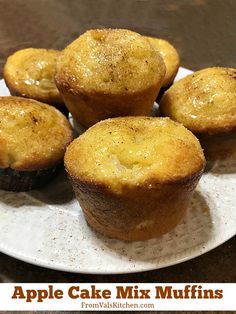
(107, 73)
(30, 73)
(134, 176)
(33, 135)
(205, 101)
(170, 56)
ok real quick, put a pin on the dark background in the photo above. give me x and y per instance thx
(203, 31)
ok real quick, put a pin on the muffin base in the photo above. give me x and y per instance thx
(219, 146)
(19, 181)
(88, 108)
(136, 213)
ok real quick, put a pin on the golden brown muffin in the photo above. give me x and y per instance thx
(30, 73)
(107, 73)
(205, 102)
(134, 176)
(170, 56)
(33, 139)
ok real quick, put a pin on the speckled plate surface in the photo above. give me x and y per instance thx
(46, 227)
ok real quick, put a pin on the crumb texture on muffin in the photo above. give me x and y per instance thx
(170, 56)
(134, 150)
(30, 73)
(205, 101)
(110, 61)
(33, 135)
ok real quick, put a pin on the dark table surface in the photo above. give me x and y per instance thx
(203, 31)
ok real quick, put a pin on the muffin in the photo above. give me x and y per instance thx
(134, 176)
(220, 146)
(205, 103)
(170, 56)
(30, 73)
(107, 73)
(33, 139)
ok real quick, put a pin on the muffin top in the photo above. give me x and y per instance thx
(170, 56)
(30, 73)
(205, 101)
(109, 61)
(134, 151)
(33, 135)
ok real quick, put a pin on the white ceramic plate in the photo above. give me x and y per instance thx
(46, 227)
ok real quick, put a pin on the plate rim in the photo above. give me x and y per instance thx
(70, 269)
(57, 267)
